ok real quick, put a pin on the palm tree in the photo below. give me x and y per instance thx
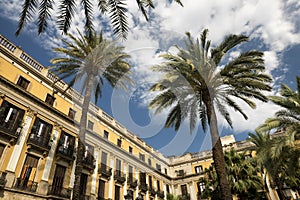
(115, 8)
(279, 156)
(194, 85)
(93, 60)
(283, 155)
(243, 175)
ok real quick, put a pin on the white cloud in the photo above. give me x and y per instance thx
(273, 22)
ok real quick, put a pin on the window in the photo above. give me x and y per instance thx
(199, 169)
(103, 160)
(66, 144)
(130, 174)
(142, 157)
(130, 149)
(200, 187)
(166, 171)
(143, 178)
(158, 185)
(101, 189)
(27, 176)
(58, 180)
(11, 117)
(22, 82)
(71, 113)
(118, 166)
(89, 151)
(183, 190)
(149, 161)
(106, 134)
(90, 125)
(50, 99)
(150, 182)
(83, 184)
(168, 189)
(2, 147)
(40, 132)
(158, 167)
(180, 172)
(117, 192)
(119, 142)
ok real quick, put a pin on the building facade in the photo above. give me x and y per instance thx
(38, 139)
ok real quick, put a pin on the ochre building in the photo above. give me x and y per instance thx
(38, 139)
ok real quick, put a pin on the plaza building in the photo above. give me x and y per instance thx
(39, 136)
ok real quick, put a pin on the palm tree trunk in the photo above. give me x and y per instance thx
(81, 136)
(217, 150)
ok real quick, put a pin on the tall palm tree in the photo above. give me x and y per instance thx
(116, 9)
(194, 85)
(92, 60)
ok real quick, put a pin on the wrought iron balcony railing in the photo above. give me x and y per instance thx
(66, 152)
(143, 187)
(104, 171)
(160, 194)
(59, 191)
(184, 197)
(119, 176)
(89, 162)
(39, 142)
(2, 179)
(132, 183)
(10, 129)
(25, 184)
(152, 191)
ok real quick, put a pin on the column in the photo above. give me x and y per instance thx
(49, 159)
(147, 182)
(94, 175)
(43, 185)
(72, 178)
(125, 183)
(111, 180)
(12, 164)
(138, 187)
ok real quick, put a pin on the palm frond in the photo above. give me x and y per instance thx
(26, 14)
(102, 4)
(66, 10)
(118, 18)
(88, 11)
(44, 14)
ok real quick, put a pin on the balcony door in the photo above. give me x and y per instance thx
(58, 180)
(101, 189)
(26, 180)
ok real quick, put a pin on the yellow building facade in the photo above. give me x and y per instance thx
(38, 139)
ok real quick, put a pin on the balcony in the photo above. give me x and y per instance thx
(132, 183)
(88, 163)
(160, 194)
(9, 130)
(26, 185)
(84, 197)
(2, 180)
(119, 177)
(143, 187)
(59, 192)
(105, 171)
(184, 197)
(66, 153)
(152, 192)
(39, 143)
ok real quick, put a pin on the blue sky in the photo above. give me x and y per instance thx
(273, 26)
